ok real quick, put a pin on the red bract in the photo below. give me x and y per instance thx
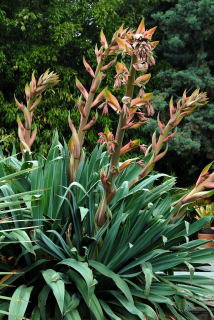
(130, 146)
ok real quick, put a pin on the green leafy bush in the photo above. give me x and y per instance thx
(56, 263)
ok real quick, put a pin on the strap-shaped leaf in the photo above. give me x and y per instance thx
(54, 281)
(83, 269)
(35, 314)
(20, 302)
(147, 310)
(128, 305)
(120, 283)
(42, 301)
(70, 307)
(147, 270)
(109, 311)
(23, 239)
(90, 298)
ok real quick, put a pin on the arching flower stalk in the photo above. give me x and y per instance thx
(158, 148)
(33, 96)
(87, 99)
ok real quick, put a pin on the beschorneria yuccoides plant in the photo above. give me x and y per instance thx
(133, 110)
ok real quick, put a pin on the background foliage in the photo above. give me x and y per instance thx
(57, 33)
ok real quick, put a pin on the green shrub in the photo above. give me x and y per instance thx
(55, 262)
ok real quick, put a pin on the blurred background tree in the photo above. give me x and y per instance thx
(56, 34)
(186, 61)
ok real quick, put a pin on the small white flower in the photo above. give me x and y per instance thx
(126, 100)
(138, 36)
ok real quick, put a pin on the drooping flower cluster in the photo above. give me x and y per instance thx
(138, 44)
(107, 138)
(143, 52)
(130, 43)
(121, 76)
(133, 107)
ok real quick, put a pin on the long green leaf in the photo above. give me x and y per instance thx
(42, 301)
(35, 314)
(147, 270)
(54, 281)
(83, 269)
(19, 305)
(91, 300)
(109, 311)
(70, 307)
(23, 239)
(120, 283)
(128, 305)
